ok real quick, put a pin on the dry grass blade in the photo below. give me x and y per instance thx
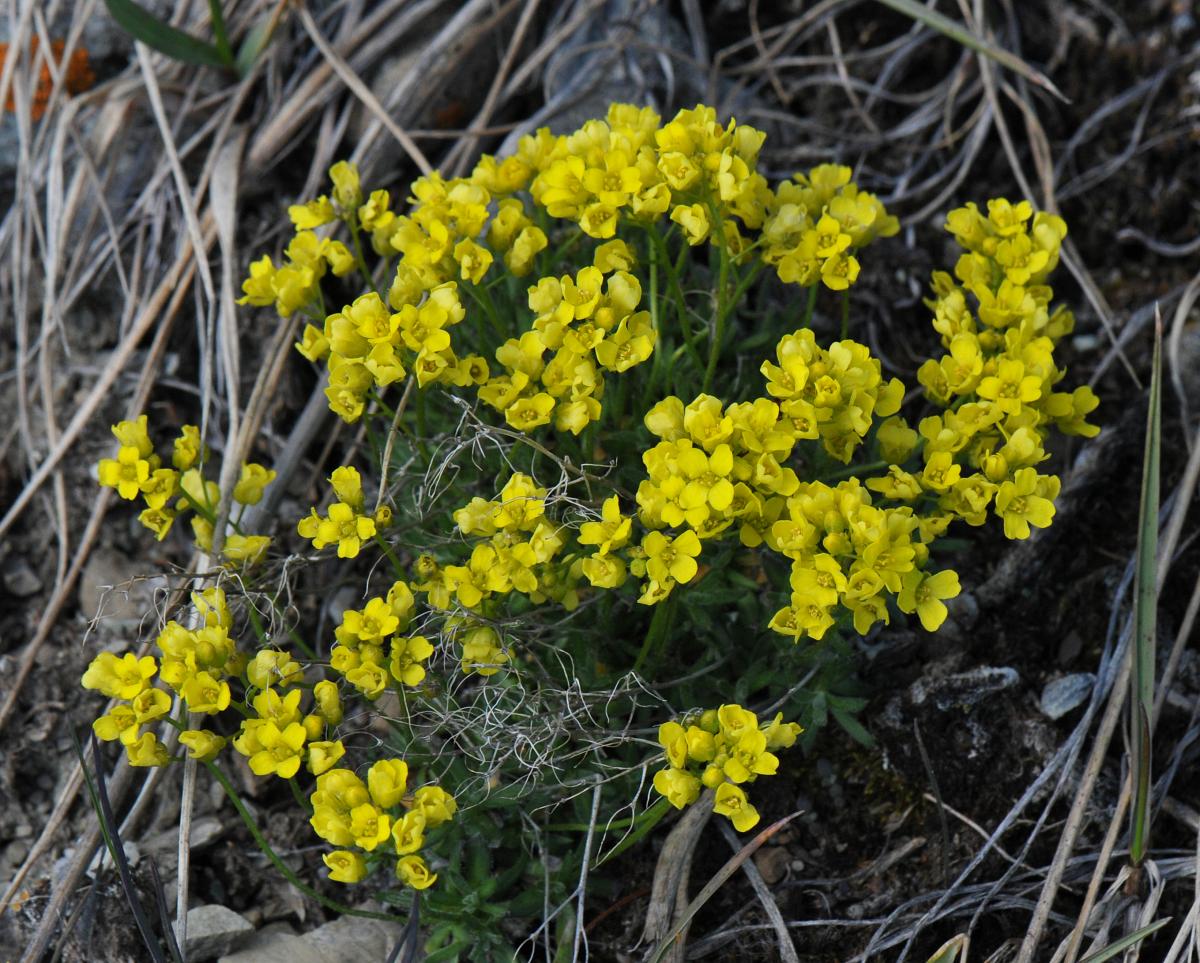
(960, 34)
(787, 949)
(714, 884)
(362, 91)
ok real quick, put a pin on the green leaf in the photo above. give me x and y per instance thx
(853, 727)
(1145, 612)
(254, 43)
(142, 25)
(960, 34)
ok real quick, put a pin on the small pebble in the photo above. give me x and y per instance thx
(20, 579)
(1062, 695)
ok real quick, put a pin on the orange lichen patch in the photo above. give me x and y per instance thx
(79, 76)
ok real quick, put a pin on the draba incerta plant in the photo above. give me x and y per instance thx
(591, 299)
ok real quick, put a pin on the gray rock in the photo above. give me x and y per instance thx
(348, 939)
(214, 930)
(113, 589)
(20, 579)
(1062, 695)
(964, 689)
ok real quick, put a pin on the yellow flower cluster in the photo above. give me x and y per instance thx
(996, 380)
(816, 222)
(589, 324)
(367, 815)
(195, 664)
(295, 285)
(629, 169)
(372, 648)
(718, 465)
(724, 750)
(346, 524)
(138, 471)
(518, 554)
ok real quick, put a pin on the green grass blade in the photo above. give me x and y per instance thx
(1125, 942)
(960, 34)
(253, 44)
(1145, 613)
(142, 25)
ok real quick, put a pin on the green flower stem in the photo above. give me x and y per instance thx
(260, 631)
(279, 864)
(484, 301)
(297, 795)
(811, 306)
(658, 629)
(850, 470)
(359, 259)
(723, 307)
(676, 292)
(845, 314)
(391, 556)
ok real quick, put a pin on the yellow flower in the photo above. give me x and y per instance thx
(369, 678)
(254, 478)
(323, 754)
(150, 704)
(482, 652)
(435, 804)
(731, 801)
(749, 758)
(120, 678)
(369, 826)
(147, 751)
(671, 558)
(280, 750)
(204, 693)
(387, 782)
(202, 744)
(673, 738)
(526, 414)
(345, 528)
(373, 623)
(473, 260)
(126, 473)
(1010, 387)
(694, 220)
(328, 702)
(274, 667)
(121, 723)
(188, 448)
(347, 192)
(413, 871)
(132, 434)
(923, 593)
(345, 866)
(312, 213)
(406, 658)
(609, 534)
(679, 787)
(408, 834)
(247, 549)
(1026, 500)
